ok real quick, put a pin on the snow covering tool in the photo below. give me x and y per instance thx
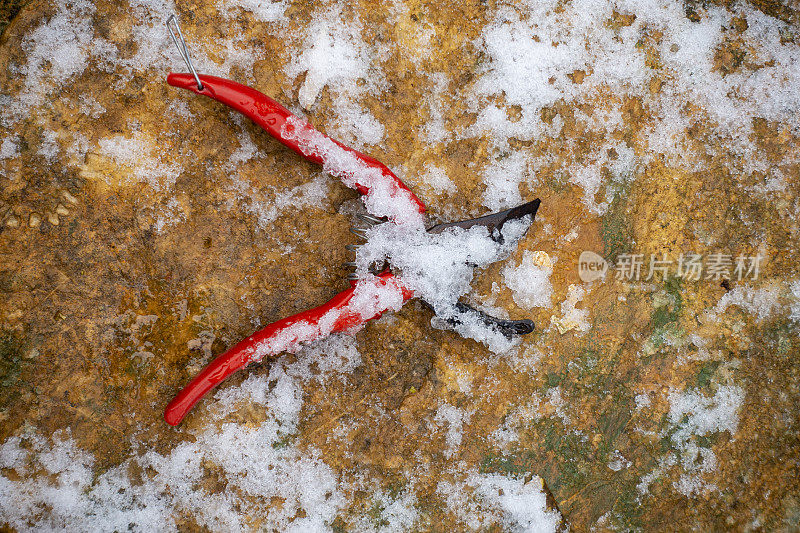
(383, 193)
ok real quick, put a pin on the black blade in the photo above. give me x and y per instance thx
(494, 225)
(493, 222)
(509, 328)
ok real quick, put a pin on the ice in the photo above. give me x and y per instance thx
(9, 148)
(481, 500)
(440, 267)
(530, 280)
(761, 302)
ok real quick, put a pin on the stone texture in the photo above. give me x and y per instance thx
(98, 307)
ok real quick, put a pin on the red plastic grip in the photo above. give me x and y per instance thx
(271, 116)
(242, 353)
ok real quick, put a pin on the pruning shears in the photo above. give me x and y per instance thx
(367, 298)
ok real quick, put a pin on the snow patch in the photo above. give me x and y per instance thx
(529, 281)
(481, 500)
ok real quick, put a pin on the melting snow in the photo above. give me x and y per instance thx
(532, 55)
(694, 414)
(478, 498)
(530, 280)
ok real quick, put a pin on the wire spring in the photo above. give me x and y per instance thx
(183, 50)
(360, 232)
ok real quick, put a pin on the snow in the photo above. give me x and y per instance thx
(73, 499)
(371, 296)
(696, 414)
(761, 302)
(435, 129)
(530, 280)
(527, 57)
(794, 307)
(263, 10)
(481, 500)
(559, 405)
(332, 54)
(259, 463)
(384, 198)
(531, 53)
(572, 317)
(266, 210)
(90, 106)
(9, 148)
(517, 419)
(454, 419)
(706, 415)
(693, 413)
(436, 178)
(502, 179)
(56, 51)
(396, 513)
(642, 400)
(440, 267)
(140, 155)
(618, 461)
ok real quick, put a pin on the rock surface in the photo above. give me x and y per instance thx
(145, 230)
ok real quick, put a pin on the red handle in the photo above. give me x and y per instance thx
(338, 314)
(346, 310)
(280, 123)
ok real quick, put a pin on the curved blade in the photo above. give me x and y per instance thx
(509, 328)
(493, 222)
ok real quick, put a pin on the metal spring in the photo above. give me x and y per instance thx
(361, 233)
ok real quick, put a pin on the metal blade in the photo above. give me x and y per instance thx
(494, 225)
(493, 222)
(509, 328)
